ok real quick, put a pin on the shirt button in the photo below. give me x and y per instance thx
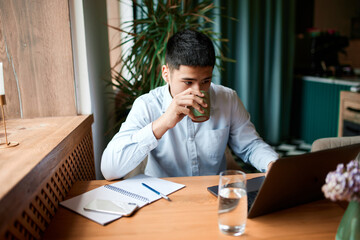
(191, 139)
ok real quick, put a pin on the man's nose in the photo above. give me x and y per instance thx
(196, 86)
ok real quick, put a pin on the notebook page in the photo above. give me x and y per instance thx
(132, 185)
(77, 204)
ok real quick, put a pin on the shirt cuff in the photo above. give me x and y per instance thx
(145, 139)
(269, 159)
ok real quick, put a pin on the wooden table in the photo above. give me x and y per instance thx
(192, 214)
(53, 153)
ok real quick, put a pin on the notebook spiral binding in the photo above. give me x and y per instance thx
(127, 193)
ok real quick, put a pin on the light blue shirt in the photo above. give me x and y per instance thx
(188, 149)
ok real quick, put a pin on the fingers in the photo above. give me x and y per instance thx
(189, 102)
(191, 98)
(181, 106)
(191, 91)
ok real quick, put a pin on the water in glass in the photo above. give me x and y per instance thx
(232, 210)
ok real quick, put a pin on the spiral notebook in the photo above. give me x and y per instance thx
(129, 190)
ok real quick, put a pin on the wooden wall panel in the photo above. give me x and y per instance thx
(352, 56)
(113, 19)
(35, 47)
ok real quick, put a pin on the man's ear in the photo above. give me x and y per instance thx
(165, 72)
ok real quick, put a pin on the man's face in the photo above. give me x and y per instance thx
(197, 78)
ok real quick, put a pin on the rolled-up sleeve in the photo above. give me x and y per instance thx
(130, 145)
(245, 141)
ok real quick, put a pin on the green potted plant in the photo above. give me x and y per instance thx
(140, 66)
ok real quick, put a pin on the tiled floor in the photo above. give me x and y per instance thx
(295, 147)
(291, 148)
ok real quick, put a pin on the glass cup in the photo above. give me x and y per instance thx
(232, 199)
(202, 117)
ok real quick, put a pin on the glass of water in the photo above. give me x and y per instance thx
(232, 199)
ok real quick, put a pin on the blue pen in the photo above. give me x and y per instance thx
(157, 192)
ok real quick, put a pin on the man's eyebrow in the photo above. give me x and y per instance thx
(194, 79)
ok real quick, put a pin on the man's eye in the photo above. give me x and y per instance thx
(188, 83)
(206, 81)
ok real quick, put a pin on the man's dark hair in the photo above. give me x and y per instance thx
(189, 48)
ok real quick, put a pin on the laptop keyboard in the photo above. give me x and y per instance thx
(251, 198)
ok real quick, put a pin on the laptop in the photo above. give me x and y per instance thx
(294, 180)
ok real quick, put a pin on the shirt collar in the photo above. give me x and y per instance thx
(167, 98)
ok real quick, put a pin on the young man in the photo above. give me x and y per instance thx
(160, 124)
